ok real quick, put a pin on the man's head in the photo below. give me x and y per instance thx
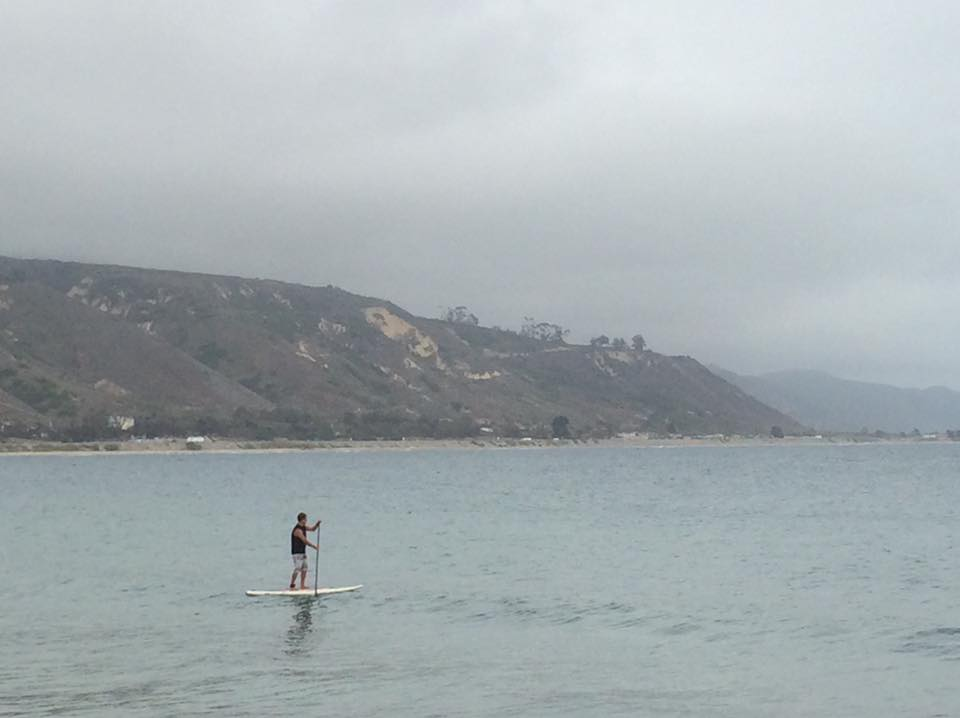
(301, 518)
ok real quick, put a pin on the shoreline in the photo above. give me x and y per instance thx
(214, 445)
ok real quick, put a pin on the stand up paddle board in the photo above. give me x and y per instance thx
(305, 592)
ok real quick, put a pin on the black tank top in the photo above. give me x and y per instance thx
(297, 545)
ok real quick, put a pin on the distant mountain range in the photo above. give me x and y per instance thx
(827, 403)
(86, 346)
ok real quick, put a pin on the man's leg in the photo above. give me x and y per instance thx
(303, 579)
(293, 578)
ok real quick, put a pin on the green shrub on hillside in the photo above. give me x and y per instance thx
(211, 354)
(39, 393)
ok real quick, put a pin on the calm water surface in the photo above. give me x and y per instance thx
(807, 581)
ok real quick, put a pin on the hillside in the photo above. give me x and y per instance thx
(830, 404)
(181, 352)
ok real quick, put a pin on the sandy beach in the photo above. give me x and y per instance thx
(20, 447)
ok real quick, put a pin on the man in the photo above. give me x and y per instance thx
(298, 550)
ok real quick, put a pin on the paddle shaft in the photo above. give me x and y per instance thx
(316, 569)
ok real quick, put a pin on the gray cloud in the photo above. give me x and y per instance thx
(759, 185)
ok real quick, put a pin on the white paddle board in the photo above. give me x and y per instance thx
(305, 591)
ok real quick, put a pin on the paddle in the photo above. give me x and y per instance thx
(316, 570)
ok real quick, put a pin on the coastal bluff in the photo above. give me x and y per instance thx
(92, 351)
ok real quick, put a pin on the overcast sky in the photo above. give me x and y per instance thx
(761, 185)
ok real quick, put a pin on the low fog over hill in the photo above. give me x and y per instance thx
(827, 403)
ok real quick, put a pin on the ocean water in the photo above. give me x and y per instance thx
(778, 581)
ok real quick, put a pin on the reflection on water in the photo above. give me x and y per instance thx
(301, 630)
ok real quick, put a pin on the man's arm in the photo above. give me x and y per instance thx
(316, 525)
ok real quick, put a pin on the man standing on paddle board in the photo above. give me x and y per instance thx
(298, 549)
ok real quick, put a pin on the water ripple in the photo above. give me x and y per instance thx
(941, 642)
